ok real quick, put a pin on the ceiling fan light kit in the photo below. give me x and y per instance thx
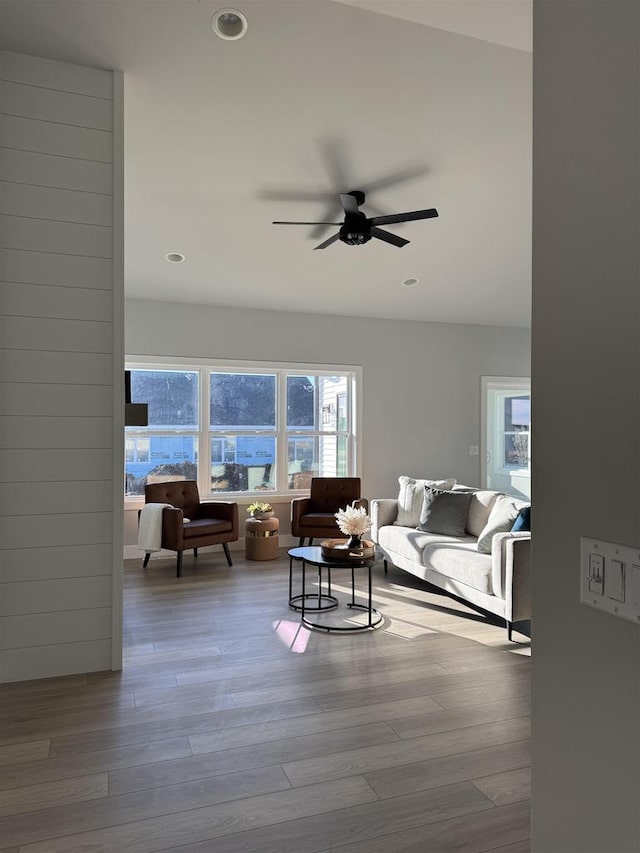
(357, 229)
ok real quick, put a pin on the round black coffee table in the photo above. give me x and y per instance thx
(313, 556)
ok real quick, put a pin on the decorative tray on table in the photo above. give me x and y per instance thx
(336, 549)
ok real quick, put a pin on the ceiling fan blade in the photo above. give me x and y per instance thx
(404, 217)
(328, 242)
(388, 237)
(349, 204)
(409, 173)
(307, 223)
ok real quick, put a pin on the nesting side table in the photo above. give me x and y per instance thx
(261, 538)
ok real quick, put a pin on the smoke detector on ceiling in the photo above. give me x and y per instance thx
(229, 24)
(174, 257)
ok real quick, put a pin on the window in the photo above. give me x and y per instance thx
(260, 430)
(506, 436)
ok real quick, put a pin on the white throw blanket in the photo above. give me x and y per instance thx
(150, 530)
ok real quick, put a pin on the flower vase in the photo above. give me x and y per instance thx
(354, 541)
(261, 516)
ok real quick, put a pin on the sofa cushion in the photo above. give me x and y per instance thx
(460, 561)
(444, 512)
(503, 513)
(411, 497)
(410, 543)
(481, 504)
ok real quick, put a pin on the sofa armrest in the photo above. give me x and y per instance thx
(383, 511)
(511, 573)
(299, 507)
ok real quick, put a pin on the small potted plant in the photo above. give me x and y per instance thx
(260, 509)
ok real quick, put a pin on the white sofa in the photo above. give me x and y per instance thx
(498, 582)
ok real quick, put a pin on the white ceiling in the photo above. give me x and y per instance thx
(319, 97)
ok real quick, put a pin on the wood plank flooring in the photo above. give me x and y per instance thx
(233, 728)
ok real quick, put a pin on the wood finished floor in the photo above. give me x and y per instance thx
(232, 728)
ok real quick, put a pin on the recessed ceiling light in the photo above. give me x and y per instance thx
(229, 24)
(409, 282)
(174, 257)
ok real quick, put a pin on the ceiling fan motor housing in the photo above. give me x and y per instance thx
(356, 229)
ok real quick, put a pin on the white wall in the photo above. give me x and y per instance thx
(60, 368)
(586, 419)
(421, 381)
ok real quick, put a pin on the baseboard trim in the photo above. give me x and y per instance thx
(132, 552)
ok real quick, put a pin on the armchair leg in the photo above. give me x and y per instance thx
(227, 553)
(509, 630)
(195, 552)
(145, 562)
(386, 566)
(179, 564)
(301, 542)
(310, 540)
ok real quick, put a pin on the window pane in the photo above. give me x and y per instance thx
(243, 401)
(516, 450)
(316, 456)
(157, 459)
(317, 403)
(243, 463)
(172, 397)
(517, 413)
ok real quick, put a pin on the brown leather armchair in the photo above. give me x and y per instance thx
(315, 516)
(211, 523)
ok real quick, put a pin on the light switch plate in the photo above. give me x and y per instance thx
(610, 577)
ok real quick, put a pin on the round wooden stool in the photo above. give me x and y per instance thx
(261, 538)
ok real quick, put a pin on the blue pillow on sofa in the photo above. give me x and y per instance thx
(523, 521)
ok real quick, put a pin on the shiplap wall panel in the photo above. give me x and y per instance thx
(35, 466)
(56, 204)
(34, 71)
(39, 399)
(47, 235)
(54, 595)
(71, 561)
(38, 531)
(62, 659)
(53, 628)
(58, 367)
(55, 498)
(48, 170)
(41, 300)
(44, 433)
(59, 362)
(61, 270)
(46, 334)
(29, 101)
(65, 140)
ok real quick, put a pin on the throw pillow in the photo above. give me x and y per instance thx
(444, 512)
(523, 521)
(503, 513)
(411, 497)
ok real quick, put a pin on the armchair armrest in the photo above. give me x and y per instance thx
(511, 573)
(172, 528)
(383, 511)
(224, 510)
(299, 507)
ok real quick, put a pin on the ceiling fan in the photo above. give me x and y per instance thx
(358, 229)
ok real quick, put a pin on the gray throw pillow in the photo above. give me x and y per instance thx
(503, 513)
(444, 512)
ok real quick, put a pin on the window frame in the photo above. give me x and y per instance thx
(503, 387)
(205, 434)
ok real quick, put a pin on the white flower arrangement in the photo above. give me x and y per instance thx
(353, 521)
